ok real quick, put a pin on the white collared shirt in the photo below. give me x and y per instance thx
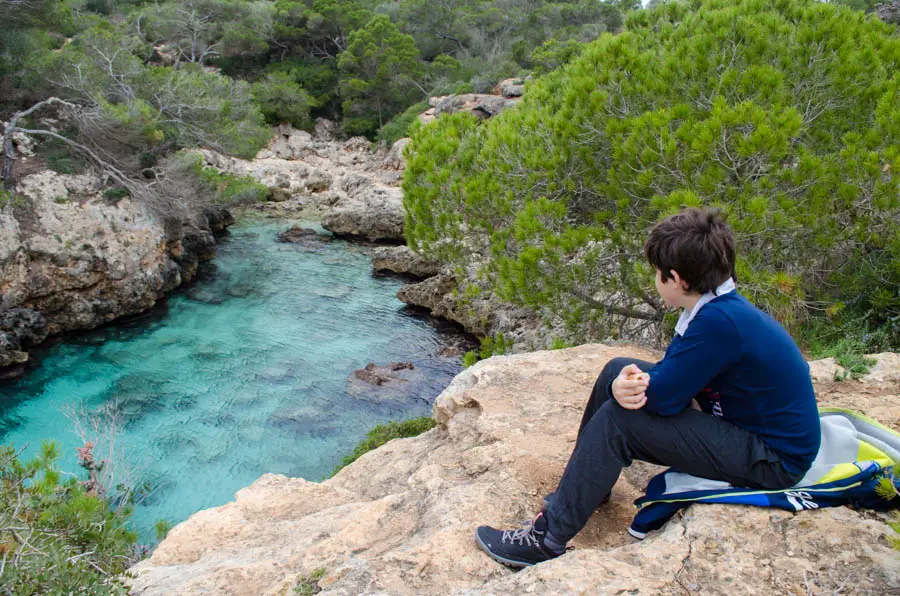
(687, 315)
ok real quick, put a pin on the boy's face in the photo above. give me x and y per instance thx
(672, 290)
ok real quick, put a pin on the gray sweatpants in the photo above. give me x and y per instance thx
(611, 437)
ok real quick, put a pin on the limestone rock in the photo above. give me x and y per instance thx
(889, 12)
(23, 146)
(480, 104)
(395, 159)
(289, 143)
(483, 315)
(402, 259)
(304, 236)
(80, 261)
(352, 187)
(373, 215)
(400, 520)
(510, 88)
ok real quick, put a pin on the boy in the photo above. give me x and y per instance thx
(731, 400)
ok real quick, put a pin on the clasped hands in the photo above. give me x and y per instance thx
(630, 388)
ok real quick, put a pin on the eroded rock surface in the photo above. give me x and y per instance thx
(402, 259)
(81, 261)
(352, 187)
(482, 315)
(400, 520)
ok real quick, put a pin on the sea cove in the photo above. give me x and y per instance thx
(248, 370)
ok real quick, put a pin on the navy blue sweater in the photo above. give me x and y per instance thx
(742, 365)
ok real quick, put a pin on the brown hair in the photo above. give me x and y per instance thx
(698, 244)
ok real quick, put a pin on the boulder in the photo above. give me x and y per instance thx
(395, 159)
(289, 143)
(510, 88)
(366, 211)
(400, 519)
(402, 259)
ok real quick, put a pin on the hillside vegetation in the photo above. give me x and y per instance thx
(786, 114)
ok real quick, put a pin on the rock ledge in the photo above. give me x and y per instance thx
(400, 519)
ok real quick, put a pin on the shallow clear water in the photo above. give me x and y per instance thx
(247, 371)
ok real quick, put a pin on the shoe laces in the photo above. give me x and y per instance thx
(525, 536)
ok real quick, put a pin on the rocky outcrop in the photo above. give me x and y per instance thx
(400, 520)
(889, 12)
(480, 105)
(514, 87)
(483, 315)
(349, 185)
(20, 329)
(403, 260)
(81, 261)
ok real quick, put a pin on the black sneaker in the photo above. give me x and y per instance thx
(518, 548)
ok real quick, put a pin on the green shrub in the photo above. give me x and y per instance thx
(401, 125)
(786, 114)
(227, 189)
(309, 584)
(11, 199)
(56, 535)
(490, 346)
(282, 99)
(383, 433)
(115, 194)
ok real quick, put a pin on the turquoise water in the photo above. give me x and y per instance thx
(247, 371)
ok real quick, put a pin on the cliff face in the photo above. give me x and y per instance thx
(400, 520)
(80, 260)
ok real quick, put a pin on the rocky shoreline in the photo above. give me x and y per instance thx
(74, 259)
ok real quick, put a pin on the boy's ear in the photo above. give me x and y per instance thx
(681, 283)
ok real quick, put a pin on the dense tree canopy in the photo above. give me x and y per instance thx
(784, 113)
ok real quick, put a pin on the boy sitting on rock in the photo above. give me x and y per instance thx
(731, 400)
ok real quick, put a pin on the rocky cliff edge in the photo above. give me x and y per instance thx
(400, 520)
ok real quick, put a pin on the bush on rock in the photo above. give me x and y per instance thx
(783, 113)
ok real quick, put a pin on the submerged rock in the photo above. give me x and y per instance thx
(379, 375)
(305, 236)
(400, 520)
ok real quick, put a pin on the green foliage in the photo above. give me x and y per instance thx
(281, 99)
(309, 584)
(115, 194)
(490, 346)
(559, 344)
(201, 31)
(162, 528)
(889, 488)
(401, 125)
(227, 189)
(469, 358)
(383, 433)
(784, 113)
(378, 70)
(56, 536)
(848, 349)
(60, 158)
(11, 199)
